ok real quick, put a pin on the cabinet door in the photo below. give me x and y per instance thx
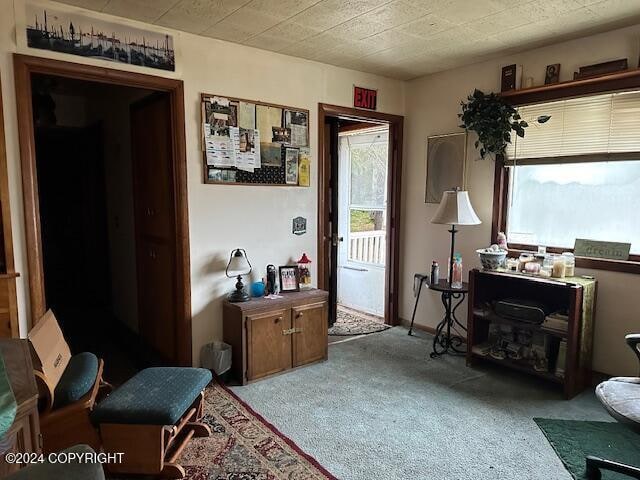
(310, 337)
(268, 343)
(151, 149)
(156, 301)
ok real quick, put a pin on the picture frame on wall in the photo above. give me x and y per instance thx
(446, 164)
(552, 74)
(289, 278)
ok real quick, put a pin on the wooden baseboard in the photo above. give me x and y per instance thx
(423, 328)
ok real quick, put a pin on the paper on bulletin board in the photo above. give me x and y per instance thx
(266, 119)
(271, 154)
(246, 148)
(219, 152)
(304, 167)
(298, 123)
(246, 115)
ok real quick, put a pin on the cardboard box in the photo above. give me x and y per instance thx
(50, 351)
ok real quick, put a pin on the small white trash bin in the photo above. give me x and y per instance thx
(216, 356)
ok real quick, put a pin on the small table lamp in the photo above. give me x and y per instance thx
(455, 209)
(238, 265)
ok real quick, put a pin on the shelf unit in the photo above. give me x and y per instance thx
(624, 80)
(486, 287)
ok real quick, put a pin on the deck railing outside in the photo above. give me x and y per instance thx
(368, 247)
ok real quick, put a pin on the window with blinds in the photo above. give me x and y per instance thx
(594, 128)
(564, 183)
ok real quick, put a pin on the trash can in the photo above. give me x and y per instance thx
(216, 356)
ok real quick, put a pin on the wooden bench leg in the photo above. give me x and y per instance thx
(199, 429)
(173, 471)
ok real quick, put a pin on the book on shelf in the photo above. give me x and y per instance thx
(561, 361)
(556, 322)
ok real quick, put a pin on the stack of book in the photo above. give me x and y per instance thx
(556, 322)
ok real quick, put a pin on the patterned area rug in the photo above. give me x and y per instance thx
(244, 446)
(350, 324)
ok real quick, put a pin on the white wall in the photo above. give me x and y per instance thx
(220, 217)
(432, 106)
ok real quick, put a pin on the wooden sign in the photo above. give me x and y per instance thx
(365, 98)
(597, 249)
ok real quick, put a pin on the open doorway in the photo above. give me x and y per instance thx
(105, 208)
(363, 164)
(86, 202)
(360, 164)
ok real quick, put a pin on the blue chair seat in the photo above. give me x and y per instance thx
(76, 380)
(154, 396)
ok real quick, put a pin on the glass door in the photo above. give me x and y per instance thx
(362, 219)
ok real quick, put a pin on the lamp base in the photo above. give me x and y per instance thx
(238, 296)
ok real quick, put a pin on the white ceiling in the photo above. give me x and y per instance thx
(399, 38)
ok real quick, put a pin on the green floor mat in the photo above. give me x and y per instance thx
(573, 440)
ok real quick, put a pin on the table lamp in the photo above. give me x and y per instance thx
(238, 265)
(455, 209)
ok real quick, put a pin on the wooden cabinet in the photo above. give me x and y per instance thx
(272, 336)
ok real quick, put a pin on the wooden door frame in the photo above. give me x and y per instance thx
(394, 183)
(24, 67)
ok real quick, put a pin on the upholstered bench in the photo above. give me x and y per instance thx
(151, 418)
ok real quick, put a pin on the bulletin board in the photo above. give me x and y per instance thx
(246, 142)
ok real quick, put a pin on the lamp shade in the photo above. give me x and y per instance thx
(238, 263)
(455, 209)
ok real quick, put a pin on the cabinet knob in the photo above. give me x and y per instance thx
(277, 320)
(300, 315)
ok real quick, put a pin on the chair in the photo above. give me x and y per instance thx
(77, 469)
(621, 397)
(65, 408)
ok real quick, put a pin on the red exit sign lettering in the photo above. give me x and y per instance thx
(365, 98)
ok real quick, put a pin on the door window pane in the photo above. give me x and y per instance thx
(369, 174)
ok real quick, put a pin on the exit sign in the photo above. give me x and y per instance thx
(365, 98)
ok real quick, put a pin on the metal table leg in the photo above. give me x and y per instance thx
(443, 341)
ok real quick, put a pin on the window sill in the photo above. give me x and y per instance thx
(628, 266)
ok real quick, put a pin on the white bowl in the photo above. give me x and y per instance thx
(493, 259)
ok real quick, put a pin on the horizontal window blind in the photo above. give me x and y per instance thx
(596, 128)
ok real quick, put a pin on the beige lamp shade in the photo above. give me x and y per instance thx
(455, 209)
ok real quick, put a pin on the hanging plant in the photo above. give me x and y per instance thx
(493, 120)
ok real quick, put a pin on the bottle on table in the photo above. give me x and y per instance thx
(435, 273)
(456, 275)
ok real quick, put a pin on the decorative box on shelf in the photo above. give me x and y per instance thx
(270, 336)
(557, 347)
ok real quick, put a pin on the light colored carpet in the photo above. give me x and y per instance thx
(380, 408)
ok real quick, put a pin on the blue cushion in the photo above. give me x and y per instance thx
(77, 379)
(154, 396)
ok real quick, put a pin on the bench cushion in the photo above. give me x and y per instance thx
(154, 396)
(76, 380)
